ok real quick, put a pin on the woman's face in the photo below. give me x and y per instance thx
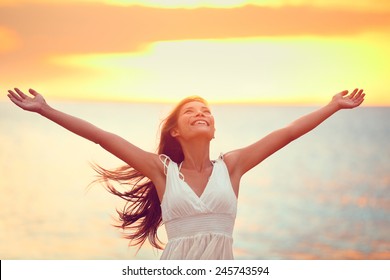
(195, 120)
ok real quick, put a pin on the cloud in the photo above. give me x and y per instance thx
(102, 28)
(61, 31)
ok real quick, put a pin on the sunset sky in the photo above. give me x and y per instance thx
(266, 51)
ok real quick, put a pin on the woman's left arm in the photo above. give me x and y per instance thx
(246, 158)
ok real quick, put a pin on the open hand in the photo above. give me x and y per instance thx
(33, 104)
(345, 101)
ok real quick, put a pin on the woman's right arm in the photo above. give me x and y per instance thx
(145, 162)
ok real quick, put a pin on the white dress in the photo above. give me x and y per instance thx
(198, 227)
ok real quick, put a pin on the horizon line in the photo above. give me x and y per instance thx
(211, 102)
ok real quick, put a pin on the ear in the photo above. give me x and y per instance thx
(174, 132)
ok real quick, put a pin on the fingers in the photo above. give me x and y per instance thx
(353, 93)
(21, 94)
(13, 96)
(33, 92)
(354, 99)
(359, 101)
(19, 98)
(359, 94)
(358, 98)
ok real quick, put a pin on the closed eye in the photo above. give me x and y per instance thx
(188, 111)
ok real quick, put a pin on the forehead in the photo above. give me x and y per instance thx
(195, 105)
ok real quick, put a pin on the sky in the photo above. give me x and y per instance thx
(265, 51)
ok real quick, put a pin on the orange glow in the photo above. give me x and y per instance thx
(363, 5)
(9, 40)
(231, 68)
(270, 53)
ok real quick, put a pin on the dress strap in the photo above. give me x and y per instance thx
(181, 174)
(165, 160)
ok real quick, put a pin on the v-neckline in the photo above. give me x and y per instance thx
(181, 178)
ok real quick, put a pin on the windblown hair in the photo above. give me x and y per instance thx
(141, 217)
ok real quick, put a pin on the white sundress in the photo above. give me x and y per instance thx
(198, 227)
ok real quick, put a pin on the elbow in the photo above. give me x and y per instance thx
(95, 139)
(100, 141)
(99, 138)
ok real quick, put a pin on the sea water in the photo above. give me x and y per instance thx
(324, 196)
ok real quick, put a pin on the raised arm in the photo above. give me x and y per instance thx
(246, 158)
(145, 162)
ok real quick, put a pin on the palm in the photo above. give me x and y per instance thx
(25, 102)
(350, 101)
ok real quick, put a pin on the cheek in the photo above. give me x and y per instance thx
(182, 125)
(213, 122)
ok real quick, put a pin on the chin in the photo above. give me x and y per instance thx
(202, 135)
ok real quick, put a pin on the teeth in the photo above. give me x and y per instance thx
(201, 122)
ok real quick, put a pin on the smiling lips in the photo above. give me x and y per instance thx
(200, 122)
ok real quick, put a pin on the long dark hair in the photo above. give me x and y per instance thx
(140, 217)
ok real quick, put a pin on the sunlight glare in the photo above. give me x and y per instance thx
(268, 70)
(365, 5)
(174, 4)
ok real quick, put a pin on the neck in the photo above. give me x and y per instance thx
(196, 155)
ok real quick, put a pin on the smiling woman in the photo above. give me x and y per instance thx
(195, 197)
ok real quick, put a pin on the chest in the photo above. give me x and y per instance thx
(197, 181)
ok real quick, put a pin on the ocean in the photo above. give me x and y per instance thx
(324, 196)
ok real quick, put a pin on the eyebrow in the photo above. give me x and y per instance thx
(192, 107)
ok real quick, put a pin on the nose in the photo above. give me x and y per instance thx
(199, 113)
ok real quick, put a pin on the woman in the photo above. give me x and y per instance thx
(180, 186)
